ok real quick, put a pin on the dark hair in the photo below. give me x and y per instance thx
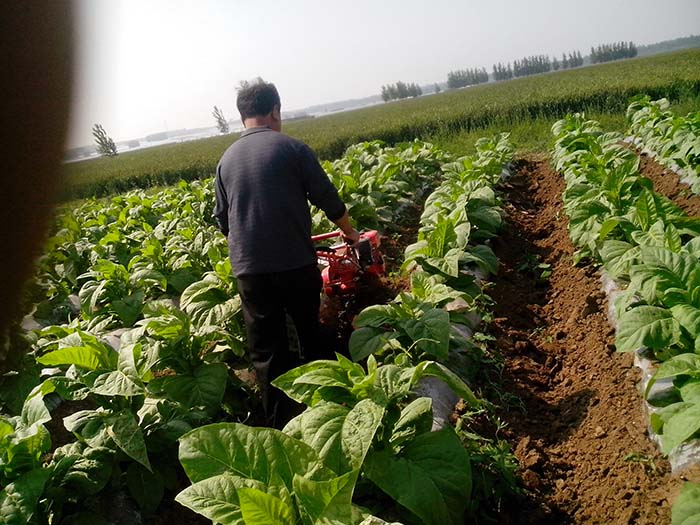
(257, 98)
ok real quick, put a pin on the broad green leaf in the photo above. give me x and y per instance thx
(429, 289)
(658, 419)
(646, 326)
(320, 427)
(395, 381)
(90, 470)
(117, 383)
(645, 208)
(654, 237)
(325, 376)
(486, 221)
(203, 388)
(447, 264)
(376, 316)
(26, 449)
(483, 257)
(129, 308)
(430, 332)
(209, 302)
(259, 507)
(431, 477)
(6, 428)
(679, 365)
(688, 317)
(441, 239)
(326, 502)
(216, 498)
(341, 436)
(90, 425)
(367, 341)
(673, 238)
(123, 428)
(18, 500)
(148, 277)
(254, 453)
(680, 427)
(147, 488)
(415, 419)
(618, 257)
(358, 430)
(303, 392)
(661, 269)
(607, 227)
(90, 357)
(690, 391)
(686, 508)
(34, 412)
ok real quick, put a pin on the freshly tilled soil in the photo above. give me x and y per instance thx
(579, 430)
(668, 183)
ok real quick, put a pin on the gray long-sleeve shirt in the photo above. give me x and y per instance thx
(263, 183)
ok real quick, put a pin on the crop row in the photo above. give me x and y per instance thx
(651, 249)
(138, 326)
(673, 140)
(605, 87)
(364, 427)
(137, 322)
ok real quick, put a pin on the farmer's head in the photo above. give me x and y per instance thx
(259, 104)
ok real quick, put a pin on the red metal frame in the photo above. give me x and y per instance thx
(344, 264)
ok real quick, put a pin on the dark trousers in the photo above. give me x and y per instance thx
(267, 299)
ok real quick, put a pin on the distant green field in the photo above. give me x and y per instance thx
(525, 105)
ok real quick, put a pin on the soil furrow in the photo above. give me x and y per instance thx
(668, 183)
(579, 431)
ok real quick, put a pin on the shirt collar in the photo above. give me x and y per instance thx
(256, 129)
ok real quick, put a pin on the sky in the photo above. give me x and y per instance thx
(145, 66)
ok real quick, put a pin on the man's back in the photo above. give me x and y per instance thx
(263, 182)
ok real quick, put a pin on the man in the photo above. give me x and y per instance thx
(263, 183)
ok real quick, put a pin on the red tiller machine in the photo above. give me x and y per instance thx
(343, 264)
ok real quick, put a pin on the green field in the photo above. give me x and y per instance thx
(526, 106)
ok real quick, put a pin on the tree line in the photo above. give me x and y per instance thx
(466, 77)
(567, 61)
(614, 51)
(400, 90)
(535, 64)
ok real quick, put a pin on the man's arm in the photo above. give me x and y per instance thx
(323, 194)
(349, 232)
(221, 207)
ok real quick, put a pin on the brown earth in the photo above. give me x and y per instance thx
(668, 183)
(579, 430)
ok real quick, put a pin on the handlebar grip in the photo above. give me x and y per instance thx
(324, 236)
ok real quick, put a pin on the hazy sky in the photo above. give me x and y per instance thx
(149, 65)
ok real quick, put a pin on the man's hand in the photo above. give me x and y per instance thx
(351, 237)
(350, 234)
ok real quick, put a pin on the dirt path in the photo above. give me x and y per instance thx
(668, 183)
(580, 432)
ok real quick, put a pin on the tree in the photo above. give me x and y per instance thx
(105, 144)
(400, 90)
(220, 120)
(437, 88)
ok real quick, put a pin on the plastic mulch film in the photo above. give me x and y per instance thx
(687, 453)
(687, 175)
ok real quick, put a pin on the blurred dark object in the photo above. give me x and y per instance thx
(37, 58)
